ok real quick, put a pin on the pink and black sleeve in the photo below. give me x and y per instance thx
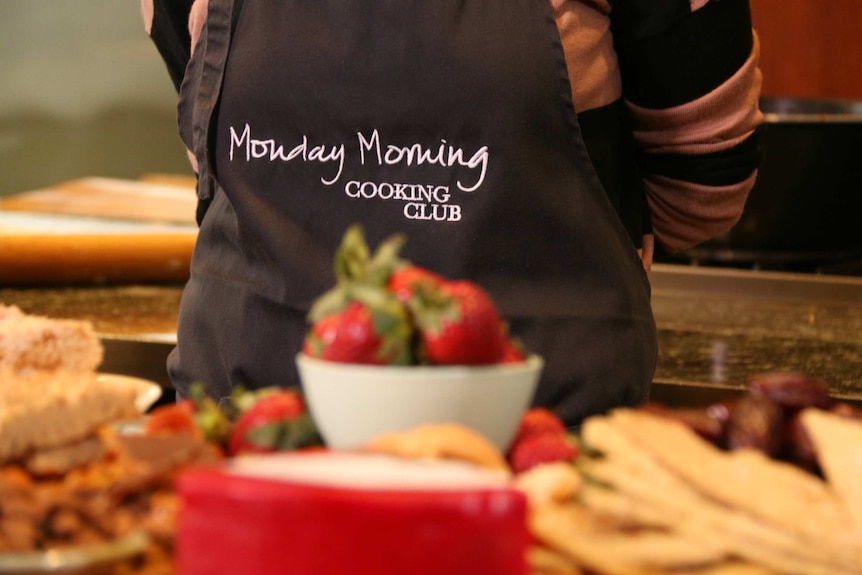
(691, 84)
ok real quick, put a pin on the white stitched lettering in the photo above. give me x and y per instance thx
(445, 155)
(273, 151)
(421, 201)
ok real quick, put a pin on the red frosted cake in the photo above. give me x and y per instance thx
(326, 513)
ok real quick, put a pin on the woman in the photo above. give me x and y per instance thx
(537, 149)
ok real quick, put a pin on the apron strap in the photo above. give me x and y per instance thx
(199, 94)
(237, 8)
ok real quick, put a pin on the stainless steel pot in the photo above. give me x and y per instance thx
(806, 206)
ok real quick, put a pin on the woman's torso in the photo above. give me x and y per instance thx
(451, 122)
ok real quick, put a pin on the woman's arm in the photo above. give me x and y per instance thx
(692, 85)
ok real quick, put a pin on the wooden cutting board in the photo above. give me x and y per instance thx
(167, 199)
(99, 231)
(47, 249)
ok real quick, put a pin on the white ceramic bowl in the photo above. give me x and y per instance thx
(352, 404)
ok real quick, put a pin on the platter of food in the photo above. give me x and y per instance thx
(88, 559)
(658, 497)
(147, 392)
(768, 482)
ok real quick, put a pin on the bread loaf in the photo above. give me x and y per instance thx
(42, 343)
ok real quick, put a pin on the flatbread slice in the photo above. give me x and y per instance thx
(838, 444)
(650, 494)
(775, 492)
(544, 560)
(564, 528)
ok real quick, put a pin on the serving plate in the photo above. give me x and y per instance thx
(148, 392)
(89, 559)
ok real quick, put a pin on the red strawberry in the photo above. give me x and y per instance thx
(321, 335)
(362, 333)
(460, 324)
(406, 280)
(173, 418)
(536, 421)
(359, 320)
(277, 420)
(513, 352)
(540, 448)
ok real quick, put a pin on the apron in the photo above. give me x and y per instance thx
(450, 121)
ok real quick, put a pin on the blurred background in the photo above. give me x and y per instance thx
(84, 93)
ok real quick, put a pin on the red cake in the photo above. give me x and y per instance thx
(326, 513)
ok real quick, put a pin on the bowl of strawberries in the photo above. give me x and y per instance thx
(394, 345)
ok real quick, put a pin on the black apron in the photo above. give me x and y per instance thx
(448, 120)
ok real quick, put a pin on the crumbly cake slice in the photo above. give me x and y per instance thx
(46, 409)
(43, 343)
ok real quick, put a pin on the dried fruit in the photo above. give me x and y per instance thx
(708, 423)
(756, 423)
(792, 391)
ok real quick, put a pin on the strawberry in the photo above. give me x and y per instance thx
(536, 421)
(173, 418)
(363, 333)
(276, 420)
(540, 448)
(405, 280)
(385, 310)
(321, 335)
(513, 352)
(198, 414)
(359, 320)
(459, 324)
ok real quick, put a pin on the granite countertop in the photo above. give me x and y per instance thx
(716, 327)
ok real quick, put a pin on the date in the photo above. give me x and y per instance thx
(756, 423)
(790, 390)
(707, 423)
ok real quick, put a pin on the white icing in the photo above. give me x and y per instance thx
(368, 472)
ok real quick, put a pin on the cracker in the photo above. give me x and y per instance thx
(441, 441)
(549, 483)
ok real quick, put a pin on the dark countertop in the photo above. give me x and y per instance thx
(716, 326)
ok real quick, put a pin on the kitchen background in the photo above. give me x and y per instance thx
(84, 93)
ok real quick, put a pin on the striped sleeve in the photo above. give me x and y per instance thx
(691, 82)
